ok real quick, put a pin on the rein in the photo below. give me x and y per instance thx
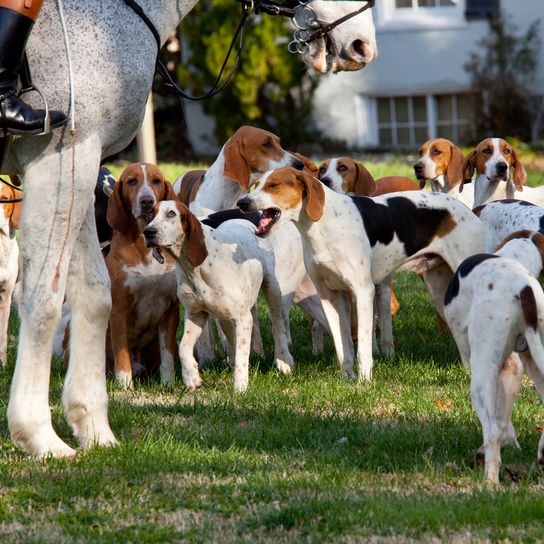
(304, 17)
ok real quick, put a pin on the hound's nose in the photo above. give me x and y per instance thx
(244, 203)
(150, 232)
(502, 167)
(418, 169)
(146, 202)
(326, 181)
(298, 164)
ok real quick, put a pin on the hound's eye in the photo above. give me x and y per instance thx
(156, 181)
(132, 181)
(171, 214)
(267, 144)
(273, 185)
(342, 168)
(322, 170)
(437, 152)
(487, 151)
(506, 151)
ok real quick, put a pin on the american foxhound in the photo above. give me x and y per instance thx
(499, 174)
(219, 273)
(145, 308)
(352, 243)
(494, 307)
(441, 162)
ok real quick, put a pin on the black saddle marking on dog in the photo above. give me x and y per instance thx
(414, 226)
(541, 224)
(216, 219)
(465, 268)
(515, 200)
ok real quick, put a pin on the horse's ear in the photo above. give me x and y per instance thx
(520, 175)
(315, 194)
(469, 166)
(17, 210)
(236, 167)
(364, 184)
(194, 236)
(117, 215)
(455, 166)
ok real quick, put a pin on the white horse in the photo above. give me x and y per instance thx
(113, 55)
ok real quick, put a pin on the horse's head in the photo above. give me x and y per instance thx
(349, 46)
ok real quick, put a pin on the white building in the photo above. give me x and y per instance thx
(417, 88)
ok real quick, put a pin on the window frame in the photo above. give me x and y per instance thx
(389, 18)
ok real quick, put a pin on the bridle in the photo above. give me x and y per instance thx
(308, 29)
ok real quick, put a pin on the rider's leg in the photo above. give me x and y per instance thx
(16, 117)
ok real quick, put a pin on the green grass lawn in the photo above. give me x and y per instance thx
(301, 458)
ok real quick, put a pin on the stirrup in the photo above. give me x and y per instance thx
(46, 118)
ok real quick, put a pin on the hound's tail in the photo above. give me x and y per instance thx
(532, 305)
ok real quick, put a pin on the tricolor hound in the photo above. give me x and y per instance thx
(352, 243)
(494, 306)
(499, 174)
(247, 155)
(219, 273)
(345, 175)
(145, 308)
(441, 162)
(10, 214)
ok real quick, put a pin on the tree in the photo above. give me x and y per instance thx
(502, 71)
(270, 88)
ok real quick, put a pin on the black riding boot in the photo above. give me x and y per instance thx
(17, 117)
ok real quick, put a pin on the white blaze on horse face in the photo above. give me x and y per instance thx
(350, 46)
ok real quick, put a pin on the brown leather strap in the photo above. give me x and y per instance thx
(28, 8)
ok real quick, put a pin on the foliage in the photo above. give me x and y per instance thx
(502, 71)
(269, 88)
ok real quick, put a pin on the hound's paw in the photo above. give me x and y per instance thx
(124, 379)
(283, 367)
(388, 349)
(193, 383)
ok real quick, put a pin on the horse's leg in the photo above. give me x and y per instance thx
(49, 228)
(88, 294)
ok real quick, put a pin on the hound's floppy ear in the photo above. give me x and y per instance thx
(308, 164)
(236, 167)
(520, 175)
(364, 184)
(468, 169)
(315, 195)
(456, 166)
(119, 218)
(17, 210)
(422, 184)
(169, 193)
(194, 236)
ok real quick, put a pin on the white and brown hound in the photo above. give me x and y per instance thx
(494, 307)
(503, 217)
(441, 162)
(249, 153)
(10, 216)
(145, 308)
(219, 273)
(352, 243)
(499, 174)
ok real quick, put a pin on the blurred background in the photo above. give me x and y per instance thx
(459, 69)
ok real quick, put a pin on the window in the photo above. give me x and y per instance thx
(407, 121)
(394, 15)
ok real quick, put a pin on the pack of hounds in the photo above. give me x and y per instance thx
(265, 220)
